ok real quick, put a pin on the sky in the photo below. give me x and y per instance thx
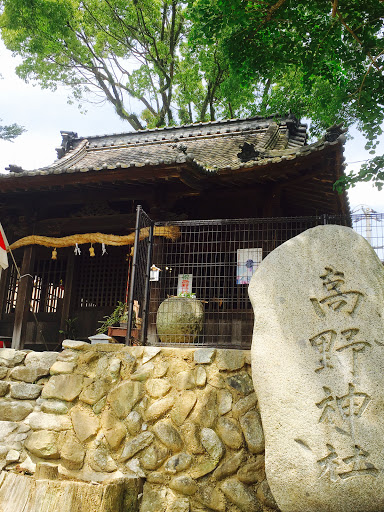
(44, 113)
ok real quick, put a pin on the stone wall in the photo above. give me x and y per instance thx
(185, 420)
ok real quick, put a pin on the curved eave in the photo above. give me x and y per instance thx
(307, 173)
(72, 164)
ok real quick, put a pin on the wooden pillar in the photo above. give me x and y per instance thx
(67, 292)
(155, 293)
(3, 289)
(272, 204)
(24, 294)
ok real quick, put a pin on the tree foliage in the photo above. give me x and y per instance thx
(11, 131)
(372, 171)
(198, 60)
(322, 59)
(122, 51)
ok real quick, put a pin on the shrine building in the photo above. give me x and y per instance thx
(220, 195)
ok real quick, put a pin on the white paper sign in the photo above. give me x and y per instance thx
(247, 262)
(184, 283)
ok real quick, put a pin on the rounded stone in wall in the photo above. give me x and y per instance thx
(153, 456)
(229, 432)
(44, 444)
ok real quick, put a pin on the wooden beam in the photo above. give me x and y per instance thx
(73, 197)
(67, 292)
(24, 294)
(189, 180)
(131, 175)
(72, 225)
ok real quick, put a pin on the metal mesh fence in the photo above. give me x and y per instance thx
(214, 260)
(371, 226)
(139, 280)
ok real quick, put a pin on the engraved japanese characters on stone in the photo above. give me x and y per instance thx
(328, 407)
(317, 364)
(355, 345)
(342, 411)
(329, 464)
(358, 465)
(335, 468)
(329, 342)
(324, 343)
(336, 298)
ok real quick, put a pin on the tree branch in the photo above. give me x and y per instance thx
(270, 13)
(334, 8)
(348, 28)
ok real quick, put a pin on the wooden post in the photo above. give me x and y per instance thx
(272, 204)
(146, 306)
(3, 290)
(132, 277)
(24, 294)
(67, 292)
(155, 295)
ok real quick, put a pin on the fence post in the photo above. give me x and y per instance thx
(133, 272)
(144, 327)
(325, 219)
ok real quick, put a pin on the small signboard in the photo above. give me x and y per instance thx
(154, 273)
(184, 283)
(247, 262)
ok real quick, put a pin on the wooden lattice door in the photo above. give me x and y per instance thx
(99, 284)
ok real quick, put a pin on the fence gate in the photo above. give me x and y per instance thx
(138, 302)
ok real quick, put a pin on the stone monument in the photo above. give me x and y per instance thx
(318, 371)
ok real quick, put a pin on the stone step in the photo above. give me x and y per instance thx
(20, 492)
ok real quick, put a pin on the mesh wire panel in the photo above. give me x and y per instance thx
(215, 260)
(371, 227)
(139, 285)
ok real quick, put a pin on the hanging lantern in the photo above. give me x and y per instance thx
(92, 251)
(54, 254)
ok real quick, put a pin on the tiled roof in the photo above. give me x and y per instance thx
(188, 159)
(224, 153)
(210, 147)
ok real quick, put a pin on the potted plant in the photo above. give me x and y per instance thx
(180, 319)
(118, 318)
